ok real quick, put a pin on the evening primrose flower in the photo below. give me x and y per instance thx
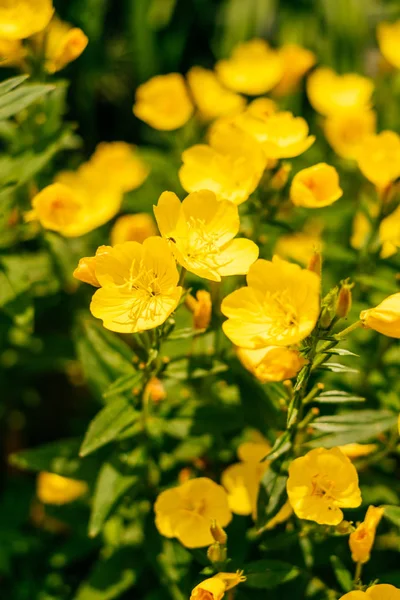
(63, 44)
(379, 158)
(347, 131)
(273, 363)
(384, 318)
(242, 480)
(211, 98)
(388, 35)
(186, 511)
(12, 53)
(316, 186)
(382, 591)
(86, 269)
(57, 207)
(296, 62)
(139, 286)
(320, 484)
(200, 232)
(201, 308)
(279, 307)
(19, 19)
(119, 164)
(362, 539)
(163, 102)
(330, 93)
(215, 587)
(253, 68)
(389, 233)
(55, 489)
(133, 228)
(231, 165)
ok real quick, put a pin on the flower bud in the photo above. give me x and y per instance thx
(279, 180)
(216, 553)
(315, 263)
(343, 304)
(201, 308)
(362, 539)
(156, 390)
(384, 318)
(218, 533)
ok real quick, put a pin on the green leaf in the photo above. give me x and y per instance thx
(343, 576)
(271, 496)
(26, 273)
(185, 333)
(107, 424)
(281, 446)
(111, 577)
(61, 457)
(392, 513)
(123, 384)
(337, 368)
(337, 397)
(111, 485)
(269, 574)
(21, 97)
(341, 352)
(9, 84)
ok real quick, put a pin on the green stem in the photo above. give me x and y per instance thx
(182, 276)
(342, 334)
(357, 575)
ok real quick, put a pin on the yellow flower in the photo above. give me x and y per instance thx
(242, 480)
(273, 363)
(330, 93)
(379, 158)
(231, 165)
(86, 269)
(163, 102)
(57, 207)
(215, 587)
(54, 489)
(362, 539)
(296, 62)
(118, 164)
(200, 232)
(347, 131)
(211, 98)
(12, 53)
(320, 484)
(384, 318)
(279, 307)
(63, 44)
(357, 450)
(133, 228)
(388, 35)
(186, 511)
(20, 19)
(382, 591)
(316, 186)
(389, 233)
(138, 286)
(282, 515)
(301, 245)
(253, 69)
(201, 308)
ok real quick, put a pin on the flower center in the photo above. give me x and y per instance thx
(280, 311)
(147, 291)
(323, 487)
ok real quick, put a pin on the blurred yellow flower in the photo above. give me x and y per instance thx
(186, 511)
(200, 232)
(12, 53)
(362, 539)
(379, 158)
(19, 19)
(139, 286)
(273, 363)
(316, 186)
(119, 164)
(296, 62)
(57, 207)
(211, 98)
(215, 587)
(330, 93)
(320, 484)
(384, 318)
(279, 307)
(346, 131)
(133, 228)
(358, 450)
(389, 233)
(163, 102)
(63, 44)
(253, 68)
(382, 591)
(201, 308)
(231, 165)
(242, 480)
(388, 35)
(86, 269)
(301, 245)
(55, 489)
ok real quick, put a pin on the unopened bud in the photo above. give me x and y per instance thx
(279, 180)
(201, 308)
(343, 304)
(155, 389)
(326, 318)
(216, 553)
(344, 527)
(315, 263)
(218, 533)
